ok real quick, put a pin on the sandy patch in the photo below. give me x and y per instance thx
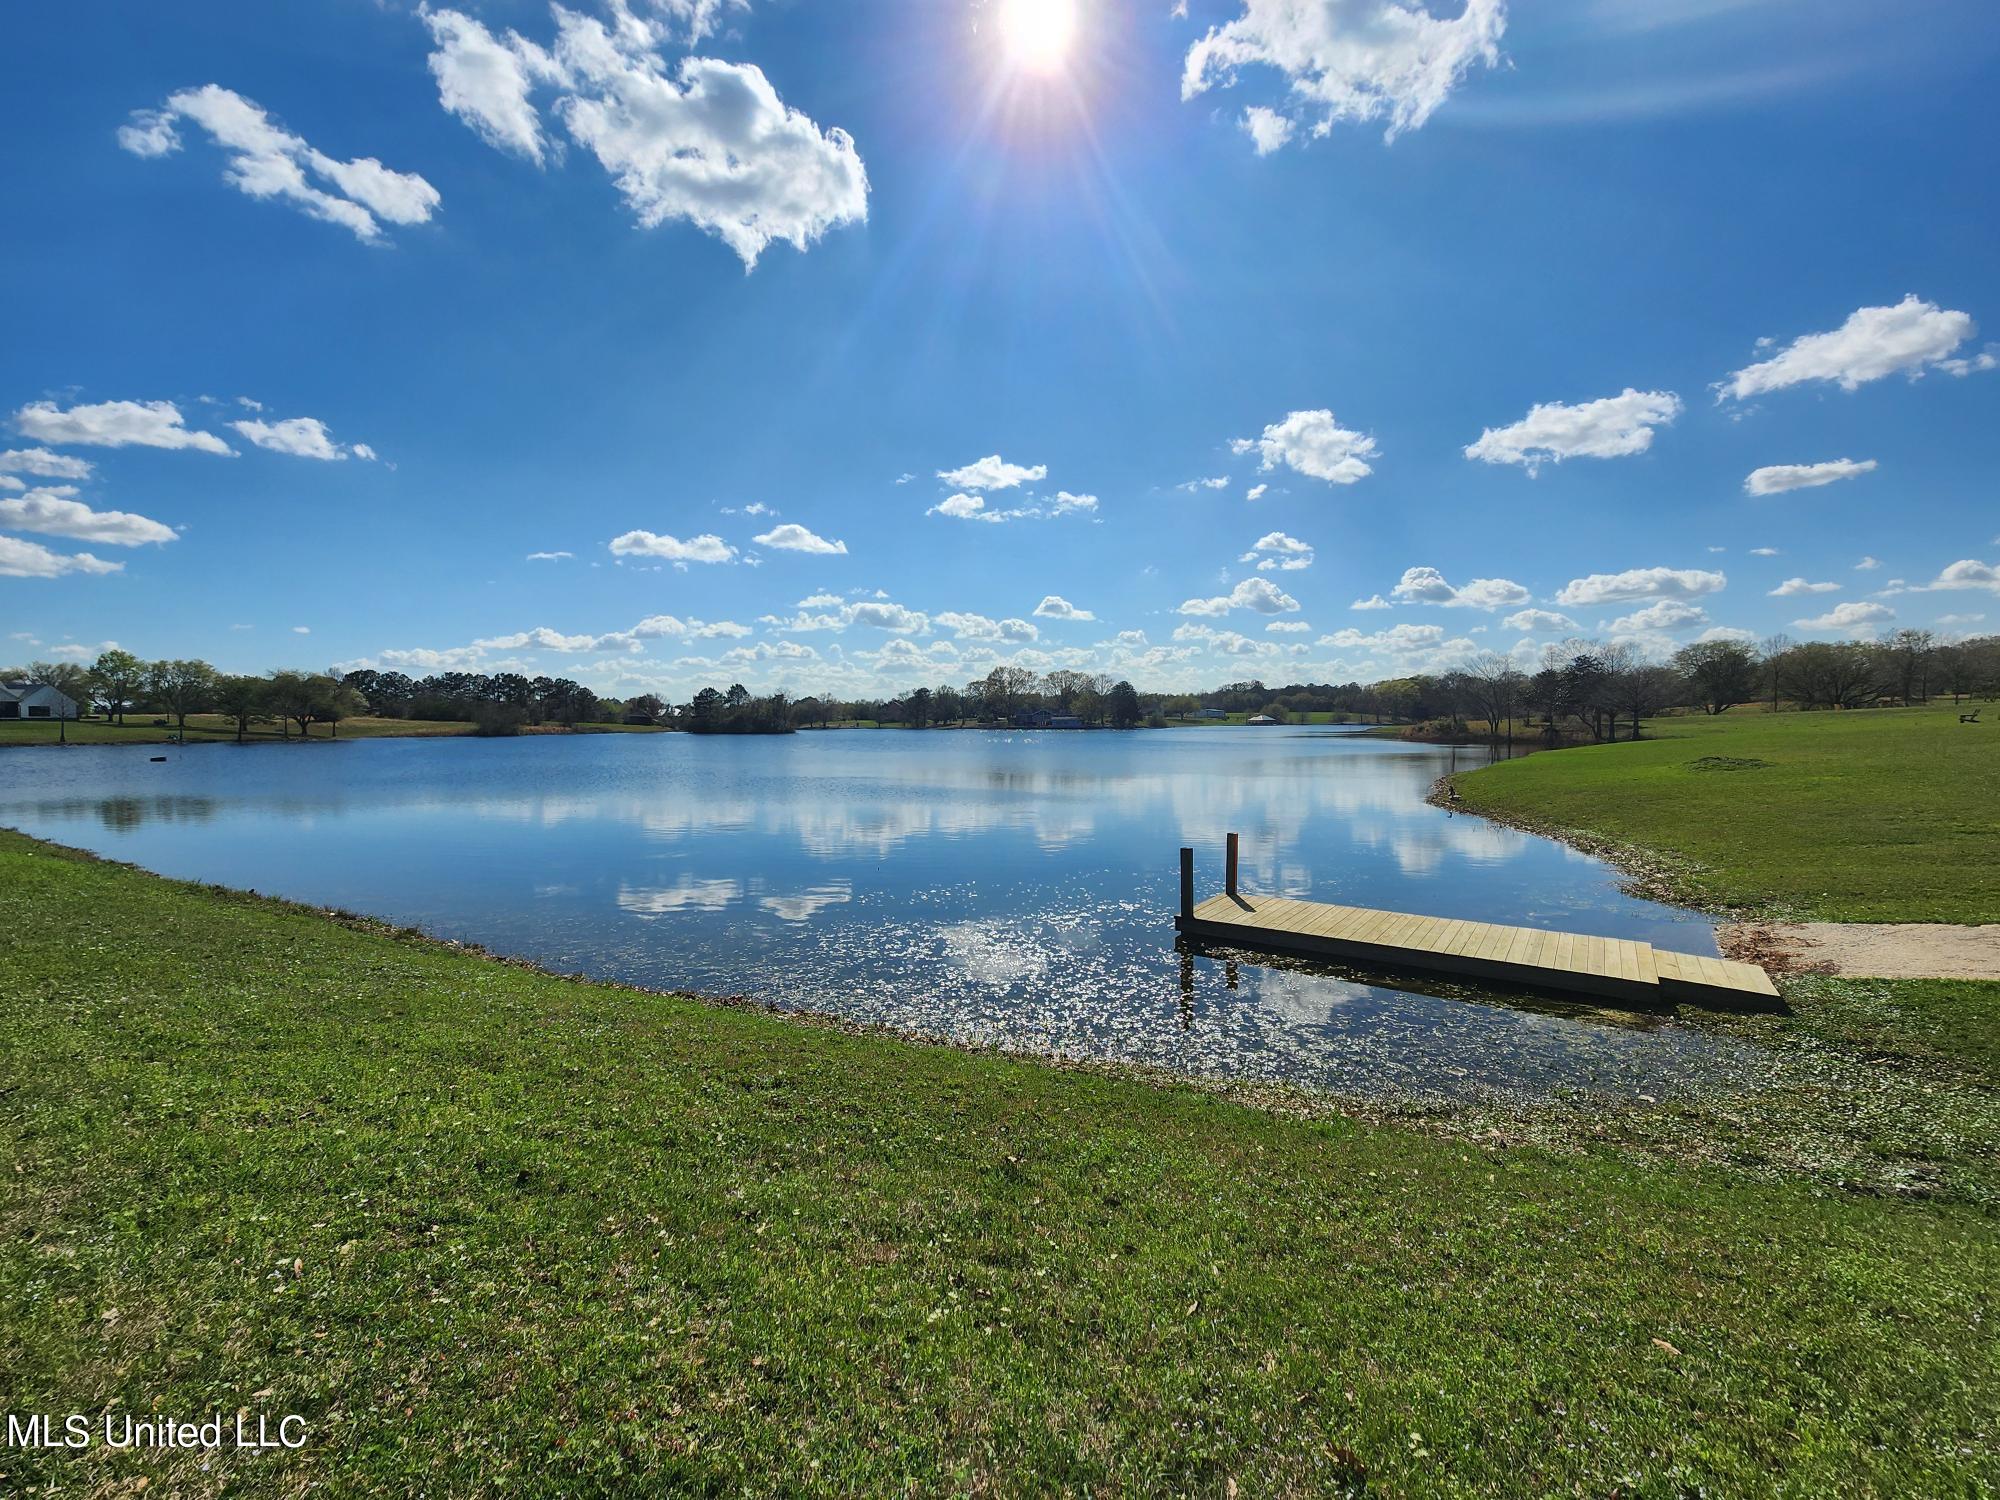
(1868, 950)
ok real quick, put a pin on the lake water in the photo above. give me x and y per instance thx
(1011, 889)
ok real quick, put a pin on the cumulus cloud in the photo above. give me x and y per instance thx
(1663, 614)
(1775, 479)
(43, 464)
(971, 627)
(1219, 482)
(1055, 607)
(1536, 621)
(1636, 585)
(1313, 444)
(1259, 595)
(1614, 427)
(1373, 601)
(1428, 586)
(1276, 551)
(706, 548)
(1268, 130)
(883, 615)
(19, 559)
(115, 424)
(993, 473)
(56, 512)
(1849, 619)
(1352, 60)
(302, 437)
(268, 161)
(1968, 573)
(1792, 586)
(1909, 338)
(1868, 565)
(1256, 492)
(708, 142)
(792, 537)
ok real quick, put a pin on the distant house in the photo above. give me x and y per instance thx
(28, 700)
(1261, 719)
(1041, 718)
(1211, 713)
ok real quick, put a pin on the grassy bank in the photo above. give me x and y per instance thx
(1887, 815)
(214, 728)
(486, 1227)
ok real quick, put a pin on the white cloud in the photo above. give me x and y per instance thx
(890, 617)
(268, 161)
(1352, 60)
(1289, 627)
(792, 537)
(1257, 594)
(1313, 444)
(1373, 601)
(1868, 565)
(1775, 479)
(1664, 614)
(1268, 130)
(1635, 585)
(1792, 586)
(43, 464)
(1225, 642)
(1850, 619)
(302, 630)
(1764, 552)
(1534, 621)
(706, 548)
(302, 437)
(1614, 427)
(550, 556)
(964, 507)
(115, 424)
(1968, 573)
(1276, 551)
(1428, 586)
(1874, 342)
(1727, 633)
(1055, 607)
(969, 627)
(1256, 492)
(1396, 640)
(993, 473)
(707, 141)
(19, 559)
(1219, 482)
(55, 512)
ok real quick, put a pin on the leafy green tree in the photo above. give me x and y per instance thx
(1123, 700)
(1719, 674)
(243, 699)
(116, 677)
(917, 708)
(181, 688)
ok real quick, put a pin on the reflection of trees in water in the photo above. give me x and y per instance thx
(127, 813)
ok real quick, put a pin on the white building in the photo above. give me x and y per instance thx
(28, 700)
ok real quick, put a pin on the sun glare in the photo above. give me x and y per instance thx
(1038, 33)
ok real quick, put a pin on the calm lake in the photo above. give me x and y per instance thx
(1004, 888)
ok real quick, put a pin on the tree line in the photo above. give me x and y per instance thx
(1580, 690)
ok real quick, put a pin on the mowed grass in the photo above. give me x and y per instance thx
(202, 728)
(487, 1228)
(1883, 815)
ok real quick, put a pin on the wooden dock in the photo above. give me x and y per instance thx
(1606, 968)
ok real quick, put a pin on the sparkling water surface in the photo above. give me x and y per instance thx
(1001, 888)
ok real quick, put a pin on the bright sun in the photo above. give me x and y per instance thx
(1037, 33)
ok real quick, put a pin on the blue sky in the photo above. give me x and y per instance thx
(638, 285)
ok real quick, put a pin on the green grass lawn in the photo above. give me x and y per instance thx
(1884, 815)
(488, 1228)
(139, 729)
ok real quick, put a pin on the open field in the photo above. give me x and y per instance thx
(203, 728)
(482, 1225)
(1881, 815)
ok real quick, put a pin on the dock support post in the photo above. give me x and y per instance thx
(1229, 880)
(1187, 885)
